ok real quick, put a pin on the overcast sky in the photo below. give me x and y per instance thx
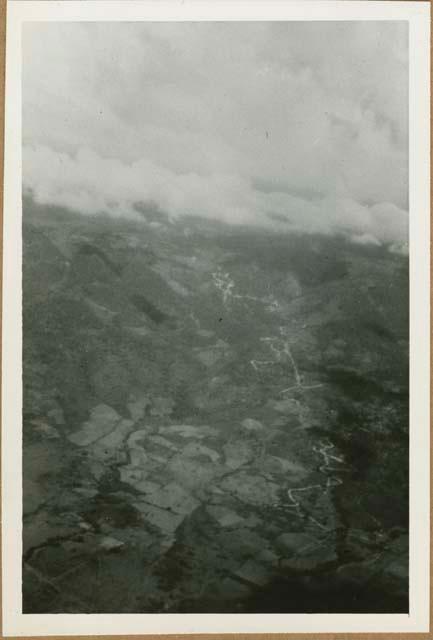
(245, 122)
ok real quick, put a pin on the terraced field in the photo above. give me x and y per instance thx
(215, 419)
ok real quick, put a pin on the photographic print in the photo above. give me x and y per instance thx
(215, 317)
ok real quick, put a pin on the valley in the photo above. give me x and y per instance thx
(215, 418)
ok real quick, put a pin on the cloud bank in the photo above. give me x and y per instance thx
(302, 125)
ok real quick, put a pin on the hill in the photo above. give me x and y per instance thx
(215, 418)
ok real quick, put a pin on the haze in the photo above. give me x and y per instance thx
(301, 125)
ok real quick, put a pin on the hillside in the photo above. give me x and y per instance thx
(215, 418)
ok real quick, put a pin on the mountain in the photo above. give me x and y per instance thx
(215, 418)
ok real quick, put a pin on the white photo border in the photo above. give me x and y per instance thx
(418, 16)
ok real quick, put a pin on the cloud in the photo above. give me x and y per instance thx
(243, 122)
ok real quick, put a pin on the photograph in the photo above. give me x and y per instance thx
(215, 300)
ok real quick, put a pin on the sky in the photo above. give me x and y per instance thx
(300, 125)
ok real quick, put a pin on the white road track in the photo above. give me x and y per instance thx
(281, 351)
(330, 462)
(225, 284)
(279, 345)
